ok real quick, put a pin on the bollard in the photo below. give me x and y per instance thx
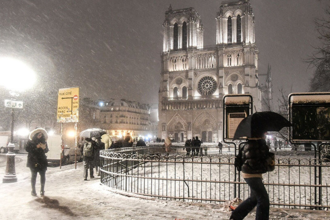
(10, 176)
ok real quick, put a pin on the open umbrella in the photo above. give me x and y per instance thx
(255, 125)
(92, 132)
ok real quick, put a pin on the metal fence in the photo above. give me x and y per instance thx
(300, 182)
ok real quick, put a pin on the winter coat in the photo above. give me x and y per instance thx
(94, 149)
(37, 158)
(253, 155)
(168, 145)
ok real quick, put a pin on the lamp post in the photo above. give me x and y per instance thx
(16, 77)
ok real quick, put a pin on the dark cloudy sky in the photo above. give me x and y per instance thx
(111, 48)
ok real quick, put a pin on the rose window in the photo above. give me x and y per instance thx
(207, 86)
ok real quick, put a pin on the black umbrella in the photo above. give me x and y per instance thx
(255, 125)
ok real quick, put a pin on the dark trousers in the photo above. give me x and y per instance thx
(88, 165)
(42, 174)
(258, 197)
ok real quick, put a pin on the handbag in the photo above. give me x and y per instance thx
(270, 161)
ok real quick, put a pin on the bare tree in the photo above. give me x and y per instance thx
(321, 58)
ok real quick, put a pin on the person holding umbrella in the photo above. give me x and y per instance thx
(253, 160)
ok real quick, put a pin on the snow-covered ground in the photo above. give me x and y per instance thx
(69, 197)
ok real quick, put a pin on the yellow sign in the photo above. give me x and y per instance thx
(68, 105)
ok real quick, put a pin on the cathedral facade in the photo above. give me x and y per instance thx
(194, 79)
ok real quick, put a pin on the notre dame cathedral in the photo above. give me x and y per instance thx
(194, 79)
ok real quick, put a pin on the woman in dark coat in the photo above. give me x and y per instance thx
(37, 160)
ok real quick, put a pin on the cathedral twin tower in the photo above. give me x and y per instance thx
(194, 79)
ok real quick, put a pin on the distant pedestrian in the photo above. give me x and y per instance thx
(88, 153)
(280, 144)
(168, 145)
(99, 145)
(275, 144)
(188, 146)
(193, 149)
(197, 145)
(253, 155)
(220, 147)
(37, 160)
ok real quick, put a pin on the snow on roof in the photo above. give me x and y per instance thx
(310, 97)
(237, 100)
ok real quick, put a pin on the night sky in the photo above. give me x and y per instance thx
(112, 48)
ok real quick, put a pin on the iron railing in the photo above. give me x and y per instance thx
(300, 182)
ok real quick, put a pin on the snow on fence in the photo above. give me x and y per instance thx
(296, 182)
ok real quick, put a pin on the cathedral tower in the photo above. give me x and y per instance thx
(194, 79)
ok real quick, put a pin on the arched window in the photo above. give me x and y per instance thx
(228, 60)
(239, 89)
(175, 37)
(230, 89)
(237, 59)
(239, 29)
(229, 29)
(175, 92)
(184, 93)
(184, 35)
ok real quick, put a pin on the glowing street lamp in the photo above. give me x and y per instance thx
(16, 77)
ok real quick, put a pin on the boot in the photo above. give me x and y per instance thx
(91, 173)
(85, 174)
(33, 184)
(42, 190)
(33, 192)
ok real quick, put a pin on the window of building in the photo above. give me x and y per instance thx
(175, 92)
(184, 35)
(229, 30)
(230, 89)
(184, 92)
(237, 60)
(239, 89)
(239, 29)
(229, 60)
(176, 36)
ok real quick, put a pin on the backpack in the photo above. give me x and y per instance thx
(88, 149)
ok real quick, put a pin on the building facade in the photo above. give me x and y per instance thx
(123, 117)
(194, 79)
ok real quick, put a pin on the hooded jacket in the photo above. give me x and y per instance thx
(37, 158)
(254, 154)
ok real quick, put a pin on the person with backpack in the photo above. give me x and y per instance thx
(88, 154)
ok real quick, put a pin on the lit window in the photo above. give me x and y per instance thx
(230, 89)
(229, 29)
(229, 60)
(239, 29)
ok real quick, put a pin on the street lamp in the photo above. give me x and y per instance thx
(16, 77)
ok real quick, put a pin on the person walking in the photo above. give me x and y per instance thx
(168, 145)
(197, 145)
(220, 147)
(37, 160)
(188, 146)
(88, 155)
(99, 145)
(275, 144)
(193, 148)
(253, 155)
